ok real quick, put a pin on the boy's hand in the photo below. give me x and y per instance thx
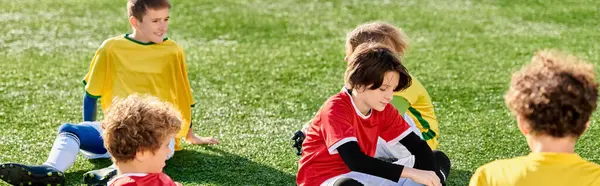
(197, 140)
(194, 139)
(428, 178)
(178, 184)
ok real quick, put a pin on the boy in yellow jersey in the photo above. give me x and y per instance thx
(419, 112)
(553, 99)
(143, 62)
(414, 102)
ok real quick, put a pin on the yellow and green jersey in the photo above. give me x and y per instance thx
(415, 102)
(122, 66)
(538, 169)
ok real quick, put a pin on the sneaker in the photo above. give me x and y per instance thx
(298, 139)
(444, 163)
(18, 174)
(100, 176)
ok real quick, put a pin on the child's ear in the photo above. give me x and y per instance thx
(360, 88)
(346, 59)
(133, 22)
(523, 127)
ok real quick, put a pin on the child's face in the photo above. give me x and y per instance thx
(156, 161)
(379, 98)
(154, 25)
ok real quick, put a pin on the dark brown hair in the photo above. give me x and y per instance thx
(138, 8)
(368, 65)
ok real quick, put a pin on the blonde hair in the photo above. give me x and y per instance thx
(377, 32)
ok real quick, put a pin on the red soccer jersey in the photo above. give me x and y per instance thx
(151, 179)
(338, 122)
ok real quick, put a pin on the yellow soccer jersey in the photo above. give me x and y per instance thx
(122, 66)
(538, 169)
(420, 109)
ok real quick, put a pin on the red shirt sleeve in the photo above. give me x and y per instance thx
(393, 128)
(336, 125)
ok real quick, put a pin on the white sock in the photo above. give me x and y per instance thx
(64, 151)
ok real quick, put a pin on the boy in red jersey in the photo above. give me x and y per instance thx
(137, 131)
(342, 139)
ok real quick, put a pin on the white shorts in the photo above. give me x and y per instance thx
(370, 180)
(383, 150)
(397, 150)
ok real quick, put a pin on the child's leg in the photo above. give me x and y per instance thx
(397, 154)
(367, 179)
(397, 150)
(70, 138)
(192, 138)
(443, 162)
(408, 182)
(347, 182)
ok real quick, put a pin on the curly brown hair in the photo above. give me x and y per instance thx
(138, 123)
(377, 32)
(138, 8)
(555, 94)
(369, 63)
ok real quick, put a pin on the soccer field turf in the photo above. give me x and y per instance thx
(260, 69)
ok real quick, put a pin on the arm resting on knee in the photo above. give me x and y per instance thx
(358, 161)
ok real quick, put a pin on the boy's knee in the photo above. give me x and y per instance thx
(441, 157)
(347, 182)
(78, 130)
(68, 127)
(87, 136)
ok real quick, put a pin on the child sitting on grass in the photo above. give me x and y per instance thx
(137, 132)
(342, 140)
(553, 99)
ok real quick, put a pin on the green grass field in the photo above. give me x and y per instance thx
(261, 68)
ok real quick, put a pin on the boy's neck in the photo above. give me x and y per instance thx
(545, 143)
(130, 167)
(362, 108)
(138, 37)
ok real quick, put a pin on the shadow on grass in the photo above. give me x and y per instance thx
(76, 177)
(222, 168)
(459, 177)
